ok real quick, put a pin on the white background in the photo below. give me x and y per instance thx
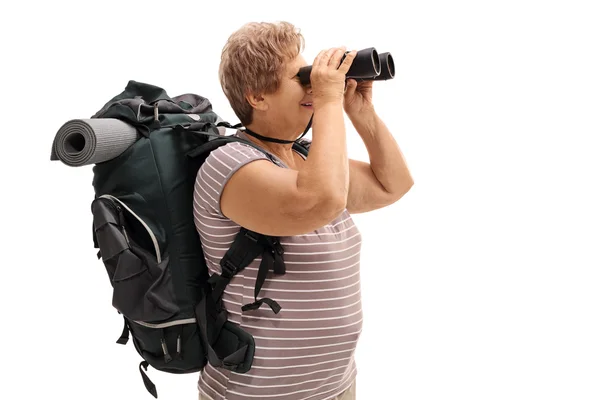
(481, 283)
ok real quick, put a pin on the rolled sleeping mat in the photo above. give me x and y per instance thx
(91, 141)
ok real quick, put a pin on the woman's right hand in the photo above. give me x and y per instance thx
(327, 80)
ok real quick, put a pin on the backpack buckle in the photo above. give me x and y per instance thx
(252, 236)
(228, 269)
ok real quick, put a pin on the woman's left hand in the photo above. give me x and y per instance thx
(358, 98)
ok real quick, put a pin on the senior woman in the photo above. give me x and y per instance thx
(306, 351)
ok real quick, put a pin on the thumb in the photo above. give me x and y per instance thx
(351, 87)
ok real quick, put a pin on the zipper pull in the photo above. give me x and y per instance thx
(178, 356)
(163, 344)
(122, 224)
(120, 212)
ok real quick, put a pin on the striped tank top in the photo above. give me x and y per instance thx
(306, 351)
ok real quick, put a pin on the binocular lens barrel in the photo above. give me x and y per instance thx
(365, 64)
(368, 65)
(388, 70)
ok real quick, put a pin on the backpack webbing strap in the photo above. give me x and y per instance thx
(272, 259)
(227, 345)
(246, 247)
(125, 334)
(151, 387)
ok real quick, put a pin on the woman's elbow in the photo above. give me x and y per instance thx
(332, 205)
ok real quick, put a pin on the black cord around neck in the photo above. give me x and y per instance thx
(274, 140)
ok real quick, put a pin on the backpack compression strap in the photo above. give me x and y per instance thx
(227, 345)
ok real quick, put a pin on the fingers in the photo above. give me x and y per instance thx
(317, 59)
(336, 57)
(323, 57)
(330, 57)
(345, 66)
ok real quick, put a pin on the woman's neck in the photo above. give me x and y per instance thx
(282, 150)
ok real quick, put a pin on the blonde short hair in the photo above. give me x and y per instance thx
(253, 59)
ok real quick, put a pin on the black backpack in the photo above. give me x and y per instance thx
(144, 229)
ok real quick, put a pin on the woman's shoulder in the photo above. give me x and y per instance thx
(239, 150)
(231, 156)
(219, 167)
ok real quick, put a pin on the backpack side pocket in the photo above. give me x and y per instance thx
(141, 279)
(173, 347)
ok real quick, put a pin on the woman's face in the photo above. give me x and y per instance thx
(290, 107)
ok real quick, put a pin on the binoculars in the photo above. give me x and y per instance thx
(368, 65)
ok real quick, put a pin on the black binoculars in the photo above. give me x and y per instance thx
(368, 65)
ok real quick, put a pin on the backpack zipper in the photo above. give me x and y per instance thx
(163, 342)
(152, 236)
(167, 324)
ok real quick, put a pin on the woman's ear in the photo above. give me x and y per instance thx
(257, 101)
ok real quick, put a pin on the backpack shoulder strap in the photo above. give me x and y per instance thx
(227, 345)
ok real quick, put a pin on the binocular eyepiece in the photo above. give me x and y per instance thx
(368, 65)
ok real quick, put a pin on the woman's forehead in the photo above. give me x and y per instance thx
(297, 63)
